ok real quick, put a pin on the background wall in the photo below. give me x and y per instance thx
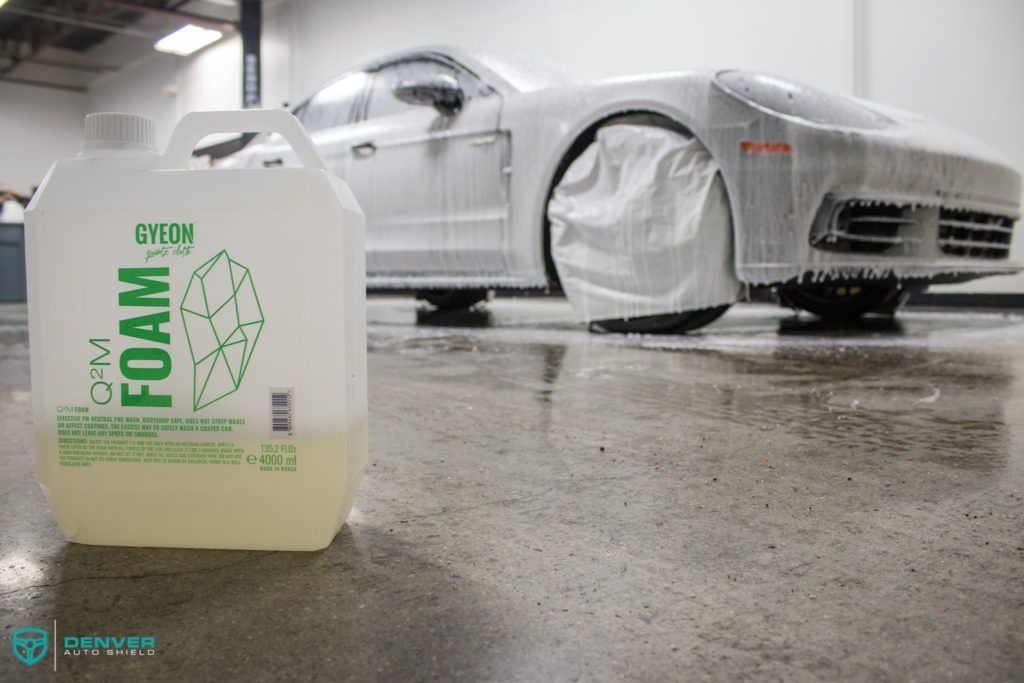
(148, 87)
(36, 127)
(955, 61)
(590, 37)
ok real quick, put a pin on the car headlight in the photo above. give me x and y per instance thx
(787, 98)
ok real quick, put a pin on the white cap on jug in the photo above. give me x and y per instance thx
(113, 131)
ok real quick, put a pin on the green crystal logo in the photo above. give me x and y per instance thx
(223, 319)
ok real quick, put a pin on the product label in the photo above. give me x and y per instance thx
(184, 317)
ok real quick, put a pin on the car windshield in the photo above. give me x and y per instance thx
(522, 73)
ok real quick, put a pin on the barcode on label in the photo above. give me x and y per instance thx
(282, 411)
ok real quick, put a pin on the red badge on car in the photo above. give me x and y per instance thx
(758, 147)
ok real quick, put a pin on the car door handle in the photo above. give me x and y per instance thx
(484, 140)
(364, 149)
(268, 163)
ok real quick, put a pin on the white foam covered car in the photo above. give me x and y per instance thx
(652, 201)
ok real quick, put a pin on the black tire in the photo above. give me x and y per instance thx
(839, 301)
(672, 323)
(452, 299)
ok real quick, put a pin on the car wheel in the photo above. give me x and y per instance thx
(452, 299)
(843, 301)
(674, 323)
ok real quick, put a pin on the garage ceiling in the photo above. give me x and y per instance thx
(71, 44)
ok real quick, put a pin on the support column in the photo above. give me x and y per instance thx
(251, 26)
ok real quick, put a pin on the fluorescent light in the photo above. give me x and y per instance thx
(187, 39)
(3, 2)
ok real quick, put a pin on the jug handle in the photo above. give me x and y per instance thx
(194, 126)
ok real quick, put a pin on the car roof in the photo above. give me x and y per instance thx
(501, 69)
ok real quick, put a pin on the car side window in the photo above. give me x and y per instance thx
(334, 104)
(382, 101)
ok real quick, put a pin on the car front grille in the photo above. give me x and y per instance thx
(865, 226)
(893, 228)
(974, 233)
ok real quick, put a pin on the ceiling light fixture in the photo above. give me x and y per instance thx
(186, 39)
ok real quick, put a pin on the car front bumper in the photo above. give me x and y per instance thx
(914, 201)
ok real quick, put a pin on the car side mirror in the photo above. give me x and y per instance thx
(441, 92)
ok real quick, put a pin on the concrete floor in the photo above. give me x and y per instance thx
(771, 498)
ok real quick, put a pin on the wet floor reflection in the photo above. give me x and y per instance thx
(911, 403)
(868, 326)
(474, 317)
(874, 402)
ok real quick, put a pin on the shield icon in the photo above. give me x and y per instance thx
(30, 645)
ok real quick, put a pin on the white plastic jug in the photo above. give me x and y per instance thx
(198, 341)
